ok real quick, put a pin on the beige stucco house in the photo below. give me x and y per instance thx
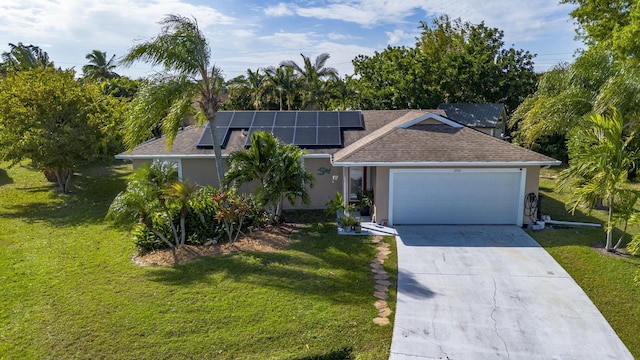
(423, 167)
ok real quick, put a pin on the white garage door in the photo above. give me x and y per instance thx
(456, 196)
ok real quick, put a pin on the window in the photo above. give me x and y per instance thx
(356, 182)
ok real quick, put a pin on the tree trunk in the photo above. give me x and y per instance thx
(159, 234)
(210, 108)
(609, 244)
(183, 230)
(176, 239)
(63, 177)
(148, 223)
(624, 231)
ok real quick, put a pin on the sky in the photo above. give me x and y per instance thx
(252, 34)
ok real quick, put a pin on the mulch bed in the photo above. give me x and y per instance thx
(270, 239)
(599, 247)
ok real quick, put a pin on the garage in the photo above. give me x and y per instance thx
(456, 196)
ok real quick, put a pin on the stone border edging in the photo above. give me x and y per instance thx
(382, 281)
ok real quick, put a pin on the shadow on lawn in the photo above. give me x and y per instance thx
(93, 189)
(5, 178)
(342, 354)
(317, 263)
(554, 235)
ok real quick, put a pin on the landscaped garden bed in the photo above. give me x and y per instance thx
(70, 289)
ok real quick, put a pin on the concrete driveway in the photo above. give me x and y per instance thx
(491, 292)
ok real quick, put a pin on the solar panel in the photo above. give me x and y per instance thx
(242, 119)
(264, 118)
(223, 118)
(307, 129)
(206, 142)
(329, 118)
(331, 135)
(285, 118)
(247, 142)
(285, 134)
(306, 136)
(307, 118)
(351, 120)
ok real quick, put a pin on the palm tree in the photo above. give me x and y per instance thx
(312, 75)
(181, 193)
(565, 94)
(188, 78)
(22, 57)
(144, 197)
(277, 167)
(256, 85)
(137, 202)
(98, 68)
(283, 82)
(600, 158)
(343, 92)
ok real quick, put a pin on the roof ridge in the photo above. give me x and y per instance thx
(387, 128)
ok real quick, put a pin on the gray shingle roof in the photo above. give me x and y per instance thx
(474, 115)
(381, 141)
(187, 139)
(435, 143)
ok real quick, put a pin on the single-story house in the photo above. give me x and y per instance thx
(423, 167)
(488, 118)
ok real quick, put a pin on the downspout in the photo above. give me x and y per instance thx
(345, 185)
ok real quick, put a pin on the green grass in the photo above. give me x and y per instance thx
(607, 279)
(70, 290)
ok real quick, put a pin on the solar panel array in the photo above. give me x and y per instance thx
(306, 129)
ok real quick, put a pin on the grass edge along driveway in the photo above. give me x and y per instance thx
(606, 279)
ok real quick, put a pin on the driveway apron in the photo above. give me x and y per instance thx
(491, 292)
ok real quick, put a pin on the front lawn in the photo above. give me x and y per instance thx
(70, 290)
(606, 278)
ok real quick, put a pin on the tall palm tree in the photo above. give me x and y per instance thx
(256, 85)
(24, 57)
(188, 77)
(600, 158)
(343, 92)
(98, 68)
(313, 74)
(283, 83)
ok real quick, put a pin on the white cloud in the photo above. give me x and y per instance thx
(281, 9)
(98, 19)
(396, 36)
(519, 20)
(76, 27)
(287, 40)
(336, 36)
(251, 34)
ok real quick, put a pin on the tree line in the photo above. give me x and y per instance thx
(451, 61)
(65, 122)
(586, 113)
